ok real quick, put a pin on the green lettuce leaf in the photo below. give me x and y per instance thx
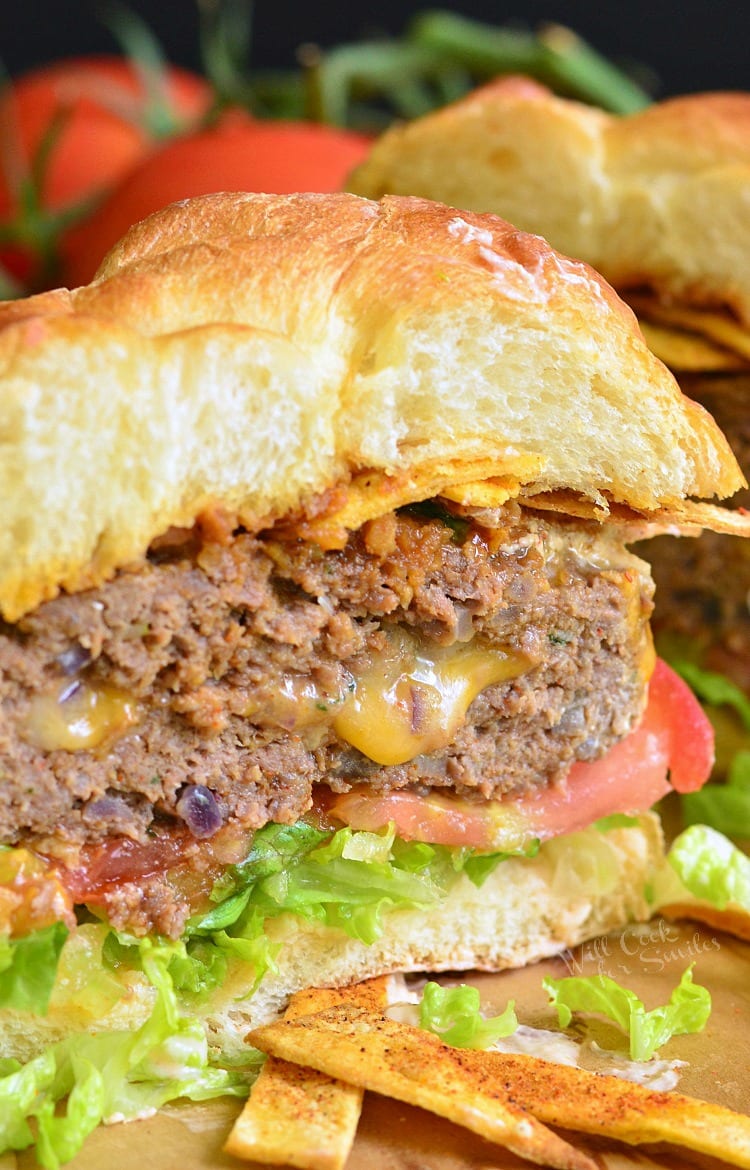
(709, 867)
(615, 821)
(347, 880)
(112, 1075)
(28, 967)
(714, 688)
(725, 807)
(687, 1011)
(453, 1014)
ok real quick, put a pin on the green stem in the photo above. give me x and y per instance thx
(558, 57)
(574, 65)
(144, 51)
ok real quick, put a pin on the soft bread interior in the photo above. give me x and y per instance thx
(526, 910)
(658, 198)
(251, 352)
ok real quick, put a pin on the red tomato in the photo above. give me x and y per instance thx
(100, 869)
(441, 820)
(102, 131)
(674, 739)
(237, 154)
(691, 744)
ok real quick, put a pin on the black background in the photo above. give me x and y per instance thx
(690, 46)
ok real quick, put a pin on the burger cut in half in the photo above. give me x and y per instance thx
(322, 653)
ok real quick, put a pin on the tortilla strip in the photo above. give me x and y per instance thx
(296, 1116)
(687, 517)
(688, 352)
(474, 1088)
(610, 1107)
(410, 1065)
(374, 493)
(721, 328)
(732, 919)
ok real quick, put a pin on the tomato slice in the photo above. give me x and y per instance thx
(437, 819)
(190, 865)
(671, 746)
(691, 736)
(102, 867)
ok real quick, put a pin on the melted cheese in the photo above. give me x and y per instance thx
(414, 696)
(79, 716)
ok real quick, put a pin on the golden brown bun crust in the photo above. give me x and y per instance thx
(251, 351)
(658, 198)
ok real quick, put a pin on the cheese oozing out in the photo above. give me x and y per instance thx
(411, 698)
(79, 715)
(414, 695)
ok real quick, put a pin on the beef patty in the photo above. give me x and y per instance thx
(222, 679)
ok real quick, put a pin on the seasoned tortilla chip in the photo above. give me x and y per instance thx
(689, 352)
(610, 1107)
(477, 1089)
(296, 1116)
(688, 517)
(374, 493)
(732, 919)
(720, 328)
(416, 1067)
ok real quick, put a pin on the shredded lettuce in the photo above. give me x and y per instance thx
(706, 865)
(615, 821)
(687, 1011)
(112, 1075)
(28, 967)
(347, 880)
(585, 863)
(453, 1014)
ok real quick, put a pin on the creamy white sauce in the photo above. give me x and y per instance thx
(120, 1118)
(659, 1075)
(555, 1047)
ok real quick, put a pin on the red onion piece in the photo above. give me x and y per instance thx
(74, 659)
(198, 808)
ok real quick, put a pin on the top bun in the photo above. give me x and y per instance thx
(658, 198)
(255, 351)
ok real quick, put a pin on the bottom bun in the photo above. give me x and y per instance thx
(577, 887)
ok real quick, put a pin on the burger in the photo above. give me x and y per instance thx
(322, 653)
(656, 202)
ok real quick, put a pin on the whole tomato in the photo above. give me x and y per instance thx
(71, 129)
(238, 153)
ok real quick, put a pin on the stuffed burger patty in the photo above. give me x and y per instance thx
(223, 685)
(322, 650)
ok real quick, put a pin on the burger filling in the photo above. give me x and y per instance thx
(234, 679)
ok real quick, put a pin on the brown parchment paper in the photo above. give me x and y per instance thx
(649, 959)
